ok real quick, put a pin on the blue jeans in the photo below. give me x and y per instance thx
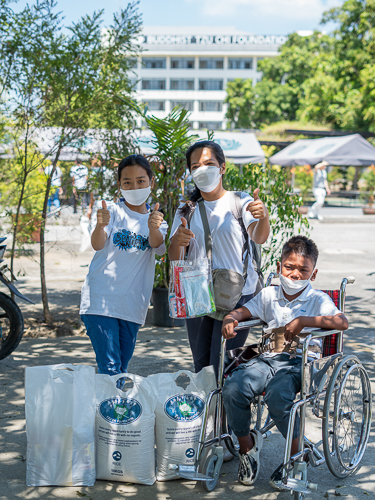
(278, 376)
(113, 341)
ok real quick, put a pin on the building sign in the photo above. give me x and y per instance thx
(213, 39)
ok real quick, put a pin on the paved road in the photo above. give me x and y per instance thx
(345, 249)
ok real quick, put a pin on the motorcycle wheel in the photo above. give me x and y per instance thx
(11, 325)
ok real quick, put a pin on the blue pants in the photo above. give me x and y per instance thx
(53, 199)
(278, 376)
(205, 339)
(113, 341)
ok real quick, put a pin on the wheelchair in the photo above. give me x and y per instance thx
(336, 387)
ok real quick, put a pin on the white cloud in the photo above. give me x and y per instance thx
(284, 9)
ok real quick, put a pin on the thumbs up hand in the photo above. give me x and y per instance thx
(103, 216)
(256, 207)
(184, 234)
(156, 218)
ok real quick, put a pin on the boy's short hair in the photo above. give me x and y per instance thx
(301, 245)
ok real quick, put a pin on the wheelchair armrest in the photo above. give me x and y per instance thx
(322, 333)
(249, 324)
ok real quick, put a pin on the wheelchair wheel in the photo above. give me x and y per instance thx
(346, 417)
(259, 414)
(211, 467)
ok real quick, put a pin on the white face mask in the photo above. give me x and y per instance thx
(206, 178)
(136, 197)
(291, 287)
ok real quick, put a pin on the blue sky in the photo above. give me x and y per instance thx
(254, 16)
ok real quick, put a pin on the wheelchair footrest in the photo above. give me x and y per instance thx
(190, 472)
(300, 485)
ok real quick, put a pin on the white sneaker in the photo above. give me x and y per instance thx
(320, 217)
(249, 466)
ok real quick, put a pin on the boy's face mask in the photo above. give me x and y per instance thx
(291, 287)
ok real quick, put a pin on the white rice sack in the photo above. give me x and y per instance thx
(179, 413)
(125, 436)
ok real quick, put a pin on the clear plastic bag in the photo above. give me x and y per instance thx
(191, 290)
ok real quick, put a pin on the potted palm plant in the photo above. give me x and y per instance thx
(171, 140)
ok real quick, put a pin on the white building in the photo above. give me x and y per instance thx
(190, 66)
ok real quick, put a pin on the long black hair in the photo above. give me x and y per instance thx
(132, 160)
(220, 157)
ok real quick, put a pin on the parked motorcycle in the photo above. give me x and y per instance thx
(11, 319)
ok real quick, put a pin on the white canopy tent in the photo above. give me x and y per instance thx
(349, 150)
(239, 148)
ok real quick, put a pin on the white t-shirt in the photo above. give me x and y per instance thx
(271, 306)
(320, 176)
(226, 233)
(56, 178)
(79, 174)
(121, 275)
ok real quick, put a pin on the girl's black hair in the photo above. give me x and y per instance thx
(132, 160)
(220, 157)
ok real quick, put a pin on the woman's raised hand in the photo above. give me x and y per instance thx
(184, 234)
(156, 218)
(256, 207)
(103, 216)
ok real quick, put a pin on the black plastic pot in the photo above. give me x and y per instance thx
(161, 309)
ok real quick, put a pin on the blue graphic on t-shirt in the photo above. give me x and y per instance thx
(125, 240)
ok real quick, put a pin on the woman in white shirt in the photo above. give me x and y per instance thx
(116, 293)
(206, 162)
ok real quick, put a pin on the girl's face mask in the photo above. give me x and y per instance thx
(206, 178)
(136, 197)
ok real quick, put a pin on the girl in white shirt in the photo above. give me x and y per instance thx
(116, 293)
(206, 162)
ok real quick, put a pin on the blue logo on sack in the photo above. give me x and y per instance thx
(120, 411)
(116, 455)
(184, 407)
(190, 452)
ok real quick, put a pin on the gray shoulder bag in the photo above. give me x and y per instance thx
(228, 284)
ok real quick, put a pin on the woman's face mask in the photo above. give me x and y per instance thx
(206, 178)
(136, 197)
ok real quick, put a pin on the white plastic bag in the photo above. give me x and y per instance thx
(125, 436)
(191, 291)
(179, 413)
(60, 422)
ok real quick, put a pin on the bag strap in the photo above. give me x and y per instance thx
(256, 249)
(206, 228)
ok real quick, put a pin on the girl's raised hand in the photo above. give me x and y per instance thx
(103, 216)
(256, 207)
(156, 218)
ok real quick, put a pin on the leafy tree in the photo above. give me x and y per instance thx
(240, 100)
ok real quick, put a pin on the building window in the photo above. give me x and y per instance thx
(210, 106)
(210, 125)
(155, 105)
(154, 62)
(188, 105)
(240, 63)
(182, 84)
(211, 63)
(211, 84)
(182, 63)
(153, 84)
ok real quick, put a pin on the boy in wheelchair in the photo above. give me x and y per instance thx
(287, 309)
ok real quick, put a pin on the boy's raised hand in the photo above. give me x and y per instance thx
(227, 330)
(103, 216)
(256, 207)
(156, 218)
(184, 234)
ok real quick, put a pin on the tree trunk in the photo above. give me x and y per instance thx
(47, 314)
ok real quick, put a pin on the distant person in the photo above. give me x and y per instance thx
(56, 189)
(320, 190)
(79, 174)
